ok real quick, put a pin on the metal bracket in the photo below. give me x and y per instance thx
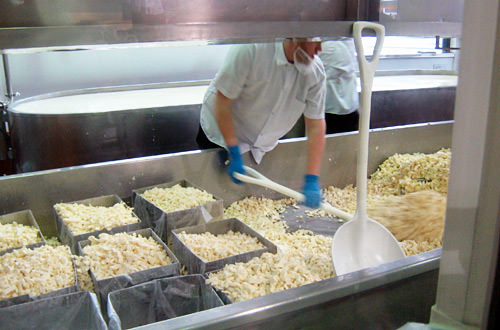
(10, 99)
(12, 95)
(446, 44)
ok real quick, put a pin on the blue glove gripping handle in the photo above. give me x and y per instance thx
(312, 191)
(235, 163)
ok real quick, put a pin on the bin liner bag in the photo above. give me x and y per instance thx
(79, 310)
(160, 300)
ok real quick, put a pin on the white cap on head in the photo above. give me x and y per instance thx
(307, 39)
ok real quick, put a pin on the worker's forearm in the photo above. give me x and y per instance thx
(224, 118)
(315, 145)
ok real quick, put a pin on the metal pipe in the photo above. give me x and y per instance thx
(10, 94)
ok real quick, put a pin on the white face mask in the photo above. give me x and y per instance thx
(302, 61)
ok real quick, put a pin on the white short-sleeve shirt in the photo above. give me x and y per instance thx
(340, 64)
(269, 96)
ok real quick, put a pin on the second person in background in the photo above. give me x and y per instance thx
(342, 96)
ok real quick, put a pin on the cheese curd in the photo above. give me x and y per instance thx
(210, 247)
(81, 218)
(124, 253)
(177, 198)
(53, 241)
(266, 274)
(405, 173)
(417, 216)
(412, 247)
(14, 234)
(35, 271)
(407, 194)
(303, 256)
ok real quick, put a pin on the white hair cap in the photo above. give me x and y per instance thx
(307, 39)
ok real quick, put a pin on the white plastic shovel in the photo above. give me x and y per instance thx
(363, 242)
(255, 177)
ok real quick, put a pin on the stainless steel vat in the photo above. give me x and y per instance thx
(91, 130)
(95, 125)
(385, 297)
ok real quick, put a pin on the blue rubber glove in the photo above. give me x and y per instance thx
(312, 191)
(235, 163)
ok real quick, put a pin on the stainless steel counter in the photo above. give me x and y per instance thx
(383, 297)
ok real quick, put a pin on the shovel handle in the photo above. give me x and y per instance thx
(367, 68)
(367, 72)
(255, 177)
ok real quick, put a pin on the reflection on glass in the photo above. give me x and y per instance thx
(389, 8)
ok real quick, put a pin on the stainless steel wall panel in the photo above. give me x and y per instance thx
(367, 10)
(21, 13)
(55, 72)
(421, 10)
(126, 35)
(63, 23)
(32, 40)
(422, 17)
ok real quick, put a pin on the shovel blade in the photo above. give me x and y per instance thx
(362, 244)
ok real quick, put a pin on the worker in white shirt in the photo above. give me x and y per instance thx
(342, 96)
(258, 95)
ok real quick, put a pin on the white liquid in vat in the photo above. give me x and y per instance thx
(406, 82)
(175, 96)
(114, 101)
